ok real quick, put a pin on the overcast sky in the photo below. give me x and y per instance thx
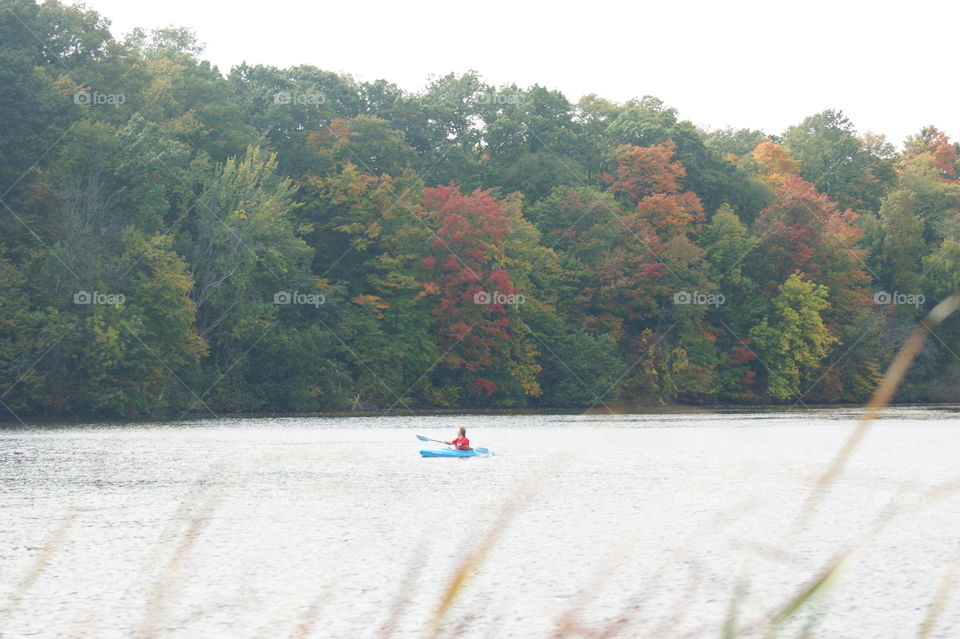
(890, 66)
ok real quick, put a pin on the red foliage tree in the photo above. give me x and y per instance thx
(672, 214)
(649, 176)
(645, 170)
(935, 142)
(804, 230)
(471, 282)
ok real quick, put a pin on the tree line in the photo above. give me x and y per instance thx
(176, 240)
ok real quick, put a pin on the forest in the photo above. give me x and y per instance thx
(179, 240)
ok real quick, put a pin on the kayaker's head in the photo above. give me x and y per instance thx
(462, 432)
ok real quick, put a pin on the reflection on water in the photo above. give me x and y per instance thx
(335, 527)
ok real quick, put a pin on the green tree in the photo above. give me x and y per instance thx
(903, 241)
(838, 163)
(792, 340)
(579, 369)
(936, 201)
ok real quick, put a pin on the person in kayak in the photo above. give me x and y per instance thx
(461, 442)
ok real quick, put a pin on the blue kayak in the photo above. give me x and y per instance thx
(450, 452)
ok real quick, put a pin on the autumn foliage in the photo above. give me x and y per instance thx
(467, 267)
(302, 240)
(645, 170)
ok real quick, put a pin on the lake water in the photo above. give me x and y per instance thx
(643, 525)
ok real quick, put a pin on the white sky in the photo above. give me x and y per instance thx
(744, 63)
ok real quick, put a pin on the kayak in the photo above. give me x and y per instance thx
(449, 452)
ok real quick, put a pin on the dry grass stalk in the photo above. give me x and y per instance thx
(947, 583)
(474, 559)
(410, 579)
(50, 546)
(162, 587)
(831, 572)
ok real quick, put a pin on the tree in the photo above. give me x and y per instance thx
(934, 142)
(737, 142)
(287, 105)
(529, 141)
(593, 116)
(579, 369)
(126, 355)
(804, 230)
(188, 98)
(942, 270)
(35, 110)
(241, 236)
(731, 251)
(793, 340)
(364, 141)
(443, 125)
(831, 156)
(649, 177)
(903, 243)
(936, 201)
(484, 347)
(25, 333)
(643, 171)
(775, 163)
(243, 251)
(612, 272)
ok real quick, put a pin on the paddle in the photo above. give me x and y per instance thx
(482, 451)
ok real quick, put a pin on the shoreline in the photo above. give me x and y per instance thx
(675, 409)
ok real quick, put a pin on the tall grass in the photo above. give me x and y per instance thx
(40, 563)
(170, 572)
(474, 558)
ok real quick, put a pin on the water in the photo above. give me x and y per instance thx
(334, 527)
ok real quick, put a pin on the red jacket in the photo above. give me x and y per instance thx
(461, 443)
